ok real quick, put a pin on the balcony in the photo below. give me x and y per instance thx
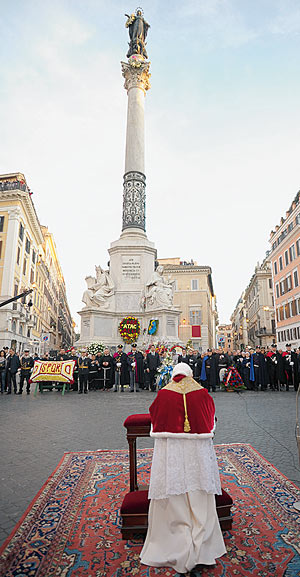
(13, 185)
(264, 332)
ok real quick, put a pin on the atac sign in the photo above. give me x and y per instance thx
(129, 329)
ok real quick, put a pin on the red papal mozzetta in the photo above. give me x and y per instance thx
(168, 414)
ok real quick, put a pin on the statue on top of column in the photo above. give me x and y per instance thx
(138, 28)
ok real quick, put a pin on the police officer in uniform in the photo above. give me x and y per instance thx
(27, 363)
(122, 377)
(84, 366)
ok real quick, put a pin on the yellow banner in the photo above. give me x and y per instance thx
(58, 371)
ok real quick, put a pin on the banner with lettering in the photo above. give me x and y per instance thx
(129, 329)
(57, 371)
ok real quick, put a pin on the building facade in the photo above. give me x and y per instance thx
(224, 337)
(239, 325)
(194, 296)
(285, 262)
(24, 264)
(259, 304)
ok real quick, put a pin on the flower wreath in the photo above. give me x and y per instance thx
(129, 329)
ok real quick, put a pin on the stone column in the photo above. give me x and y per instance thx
(137, 75)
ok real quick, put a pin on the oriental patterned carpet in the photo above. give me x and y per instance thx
(72, 527)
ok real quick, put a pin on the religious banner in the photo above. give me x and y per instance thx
(129, 329)
(56, 371)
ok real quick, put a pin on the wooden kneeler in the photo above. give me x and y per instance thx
(134, 509)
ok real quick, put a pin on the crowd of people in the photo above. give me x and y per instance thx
(256, 369)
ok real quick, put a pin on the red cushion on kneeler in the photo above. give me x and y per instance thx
(135, 502)
(137, 420)
(138, 502)
(224, 499)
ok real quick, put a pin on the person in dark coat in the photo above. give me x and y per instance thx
(12, 367)
(290, 360)
(107, 370)
(135, 362)
(94, 373)
(272, 367)
(124, 369)
(62, 356)
(223, 363)
(121, 370)
(263, 371)
(245, 371)
(210, 370)
(192, 359)
(294, 364)
(153, 362)
(74, 357)
(84, 365)
(183, 358)
(198, 366)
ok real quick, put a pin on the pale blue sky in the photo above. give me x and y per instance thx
(222, 127)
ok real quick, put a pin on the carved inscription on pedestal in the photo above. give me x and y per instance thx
(131, 268)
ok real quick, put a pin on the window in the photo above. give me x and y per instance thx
(0, 249)
(277, 290)
(16, 290)
(194, 284)
(298, 247)
(280, 263)
(27, 246)
(270, 283)
(21, 231)
(292, 252)
(1, 223)
(195, 317)
(32, 276)
(33, 256)
(18, 255)
(290, 309)
(289, 282)
(286, 258)
(296, 281)
(282, 291)
(24, 266)
(275, 267)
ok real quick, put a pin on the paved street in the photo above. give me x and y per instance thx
(35, 432)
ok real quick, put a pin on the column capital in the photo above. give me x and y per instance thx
(136, 73)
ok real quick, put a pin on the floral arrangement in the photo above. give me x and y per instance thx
(232, 380)
(129, 329)
(165, 370)
(96, 347)
(175, 347)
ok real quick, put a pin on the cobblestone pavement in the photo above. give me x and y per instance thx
(35, 432)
